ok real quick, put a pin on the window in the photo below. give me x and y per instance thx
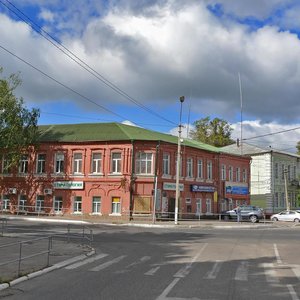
(209, 170)
(59, 163)
(282, 172)
(39, 206)
(116, 205)
(96, 205)
(5, 203)
(58, 204)
(116, 163)
(238, 174)
(282, 200)
(96, 163)
(208, 205)
(143, 163)
(41, 163)
(22, 203)
(244, 175)
(223, 172)
(180, 166)
(77, 204)
(276, 200)
(230, 173)
(189, 168)
(198, 206)
(77, 163)
(166, 164)
(23, 168)
(294, 172)
(276, 170)
(6, 165)
(199, 169)
(289, 173)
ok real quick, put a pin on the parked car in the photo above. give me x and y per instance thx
(248, 212)
(287, 215)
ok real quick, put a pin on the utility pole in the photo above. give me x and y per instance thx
(286, 191)
(177, 194)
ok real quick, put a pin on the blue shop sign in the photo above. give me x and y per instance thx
(237, 190)
(202, 188)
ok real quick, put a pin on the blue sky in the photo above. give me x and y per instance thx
(143, 55)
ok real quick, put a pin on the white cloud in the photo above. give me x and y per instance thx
(277, 136)
(46, 15)
(160, 51)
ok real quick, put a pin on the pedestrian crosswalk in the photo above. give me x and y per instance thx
(208, 270)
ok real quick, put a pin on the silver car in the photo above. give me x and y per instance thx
(287, 215)
(248, 212)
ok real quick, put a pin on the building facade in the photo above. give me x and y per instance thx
(114, 170)
(274, 177)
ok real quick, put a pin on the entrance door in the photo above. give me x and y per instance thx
(198, 207)
(171, 208)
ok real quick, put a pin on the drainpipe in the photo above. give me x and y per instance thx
(132, 180)
(155, 183)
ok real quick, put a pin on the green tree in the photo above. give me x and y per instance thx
(216, 132)
(18, 125)
(298, 148)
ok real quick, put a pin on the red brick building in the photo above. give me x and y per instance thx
(116, 170)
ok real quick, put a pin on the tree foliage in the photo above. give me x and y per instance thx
(216, 132)
(298, 148)
(18, 125)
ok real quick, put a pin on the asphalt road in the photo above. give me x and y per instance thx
(175, 264)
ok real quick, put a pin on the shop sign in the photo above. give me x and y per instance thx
(169, 186)
(202, 188)
(68, 185)
(237, 190)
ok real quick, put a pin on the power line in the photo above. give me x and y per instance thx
(97, 119)
(272, 133)
(80, 62)
(62, 84)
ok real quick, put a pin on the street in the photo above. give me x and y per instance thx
(175, 263)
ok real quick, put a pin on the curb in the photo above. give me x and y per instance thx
(59, 265)
(35, 219)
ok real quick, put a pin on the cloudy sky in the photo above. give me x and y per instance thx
(131, 60)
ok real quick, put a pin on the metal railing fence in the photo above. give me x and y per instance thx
(21, 257)
(84, 233)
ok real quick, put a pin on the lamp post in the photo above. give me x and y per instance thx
(177, 194)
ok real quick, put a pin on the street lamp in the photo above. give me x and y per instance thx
(177, 194)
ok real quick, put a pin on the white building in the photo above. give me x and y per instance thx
(273, 173)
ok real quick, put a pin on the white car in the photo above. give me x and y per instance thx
(287, 215)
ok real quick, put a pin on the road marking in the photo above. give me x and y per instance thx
(152, 271)
(270, 273)
(214, 271)
(107, 264)
(86, 261)
(187, 268)
(242, 271)
(292, 292)
(180, 274)
(279, 261)
(140, 261)
(167, 290)
(296, 270)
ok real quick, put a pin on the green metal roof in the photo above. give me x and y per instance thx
(96, 132)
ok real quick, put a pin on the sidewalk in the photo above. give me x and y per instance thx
(35, 251)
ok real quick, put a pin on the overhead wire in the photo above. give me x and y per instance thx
(97, 119)
(272, 133)
(62, 84)
(79, 61)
